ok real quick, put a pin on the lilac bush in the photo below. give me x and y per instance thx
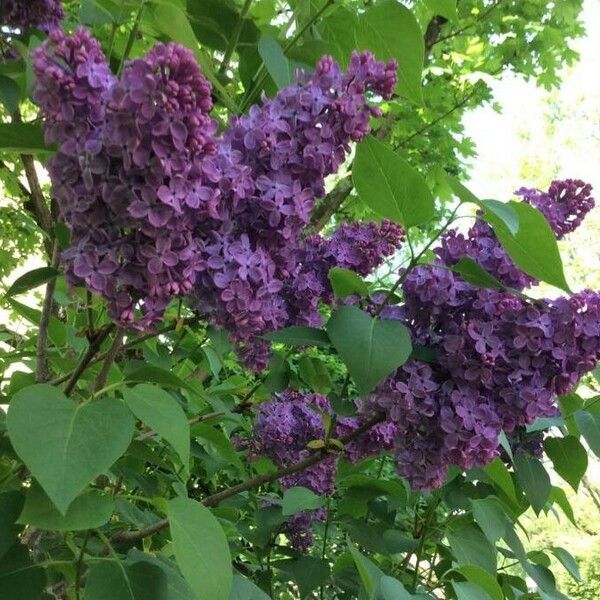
(160, 207)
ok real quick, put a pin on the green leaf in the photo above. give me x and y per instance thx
(347, 283)
(370, 574)
(151, 374)
(65, 445)
(558, 496)
(470, 547)
(173, 22)
(490, 517)
(339, 29)
(371, 348)
(397, 542)
(534, 479)
(392, 589)
(244, 589)
(390, 30)
(200, 548)
(88, 511)
(298, 335)
(444, 8)
(31, 280)
(569, 405)
(25, 138)
(567, 561)
(56, 330)
(10, 93)
(307, 571)
(162, 413)
(465, 590)
(279, 67)
(296, 499)
(483, 579)
(20, 579)
(278, 373)
(389, 185)
(533, 247)
(499, 475)
(92, 13)
(314, 372)
(463, 193)
(143, 577)
(216, 441)
(475, 274)
(11, 505)
(504, 211)
(544, 578)
(569, 458)
(589, 425)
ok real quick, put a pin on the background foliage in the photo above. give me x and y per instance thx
(94, 514)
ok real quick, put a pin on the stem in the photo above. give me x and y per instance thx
(439, 118)
(261, 74)
(111, 354)
(324, 549)
(42, 371)
(132, 34)
(249, 484)
(79, 566)
(480, 18)
(414, 261)
(92, 350)
(423, 534)
(90, 313)
(38, 202)
(126, 346)
(235, 36)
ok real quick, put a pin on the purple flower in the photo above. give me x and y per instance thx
(45, 15)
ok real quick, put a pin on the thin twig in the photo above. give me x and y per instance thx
(111, 354)
(38, 202)
(127, 345)
(235, 36)
(441, 117)
(132, 34)
(92, 350)
(261, 74)
(249, 484)
(42, 372)
(468, 26)
(79, 566)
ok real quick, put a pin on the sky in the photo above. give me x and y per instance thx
(541, 135)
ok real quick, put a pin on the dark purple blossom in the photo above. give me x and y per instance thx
(45, 15)
(564, 205)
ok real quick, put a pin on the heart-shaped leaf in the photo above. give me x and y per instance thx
(65, 445)
(372, 348)
(90, 510)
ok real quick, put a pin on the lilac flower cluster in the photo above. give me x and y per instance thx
(270, 166)
(284, 427)
(501, 362)
(564, 205)
(360, 247)
(125, 177)
(481, 245)
(160, 208)
(44, 15)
